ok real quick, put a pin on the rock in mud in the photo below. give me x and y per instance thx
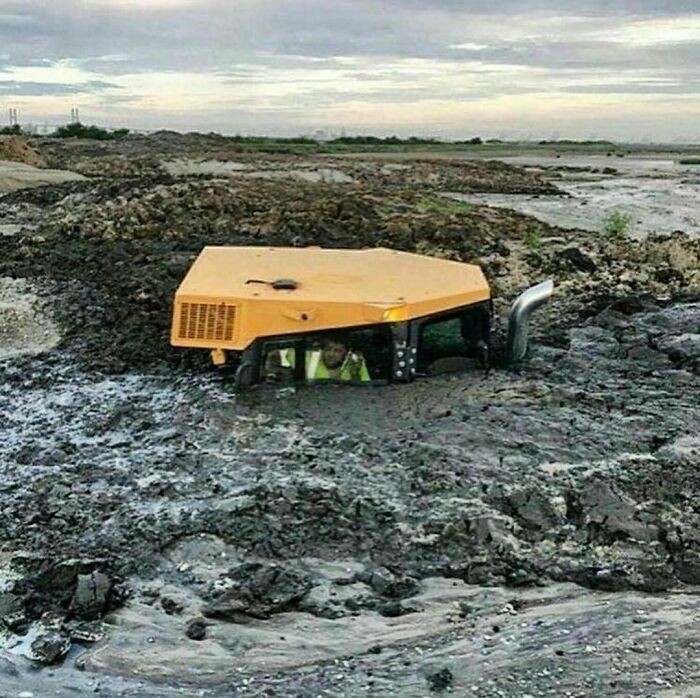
(84, 631)
(440, 680)
(531, 506)
(386, 583)
(576, 258)
(196, 629)
(51, 646)
(611, 515)
(11, 610)
(494, 531)
(91, 594)
(256, 590)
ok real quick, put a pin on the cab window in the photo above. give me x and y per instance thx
(278, 361)
(360, 355)
(452, 341)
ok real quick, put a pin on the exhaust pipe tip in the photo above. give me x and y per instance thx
(519, 319)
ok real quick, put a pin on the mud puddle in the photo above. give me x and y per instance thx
(659, 196)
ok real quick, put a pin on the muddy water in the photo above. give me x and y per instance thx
(660, 196)
(420, 535)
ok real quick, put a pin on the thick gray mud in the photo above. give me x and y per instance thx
(502, 534)
(344, 540)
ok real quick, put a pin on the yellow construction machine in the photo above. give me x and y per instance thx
(302, 314)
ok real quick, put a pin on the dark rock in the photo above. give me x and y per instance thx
(533, 509)
(258, 590)
(395, 586)
(394, 609)
(494, 531)
(171, 606)
(196, 629)
(51, 647)
(11, 610)
(604, 579)
(575, 258)
(681, 349)
(441, 680)
(611, 515)
(687, 568)
(90, 598)
(84, 631)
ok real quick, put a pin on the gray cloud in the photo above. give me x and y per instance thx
(45, 89)
(243, 40)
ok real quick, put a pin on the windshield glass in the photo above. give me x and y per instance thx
(348, 356)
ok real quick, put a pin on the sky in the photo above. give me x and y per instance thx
(624, 70)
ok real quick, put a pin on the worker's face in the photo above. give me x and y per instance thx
(333, 354)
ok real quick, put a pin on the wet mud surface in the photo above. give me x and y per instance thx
(510, 533)
(659, 195)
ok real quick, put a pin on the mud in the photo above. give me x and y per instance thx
(15, 176)
(513, 534)
(16, 149)
(659, 196)
(26, 326)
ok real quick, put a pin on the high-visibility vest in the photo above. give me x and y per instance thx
(317, 370)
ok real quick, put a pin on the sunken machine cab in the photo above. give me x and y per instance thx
(270, 312)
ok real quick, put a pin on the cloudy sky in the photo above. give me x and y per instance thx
(622, 69)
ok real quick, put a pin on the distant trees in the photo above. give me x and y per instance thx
(390, 140)
(78, 130)
(14, 130)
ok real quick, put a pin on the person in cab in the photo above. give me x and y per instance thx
(333, 360)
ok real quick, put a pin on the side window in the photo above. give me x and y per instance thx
(449, 342)
(278, 362)
(440, 339)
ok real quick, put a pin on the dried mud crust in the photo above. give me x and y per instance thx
(26, 326)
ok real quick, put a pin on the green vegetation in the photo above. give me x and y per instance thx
(443, 206)
(533, 239)
(79, 130)
(492, 147)
(356, 144)
(391, 140)
(617, 224)
(14, 130)
(689, 161)
(567, 141)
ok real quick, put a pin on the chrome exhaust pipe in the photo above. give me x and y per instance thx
(519, 319)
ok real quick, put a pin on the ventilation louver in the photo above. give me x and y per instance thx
(207, 321)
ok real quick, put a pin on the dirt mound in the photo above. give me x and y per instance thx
(17, 149)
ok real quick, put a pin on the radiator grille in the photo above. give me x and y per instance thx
(207, 321)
